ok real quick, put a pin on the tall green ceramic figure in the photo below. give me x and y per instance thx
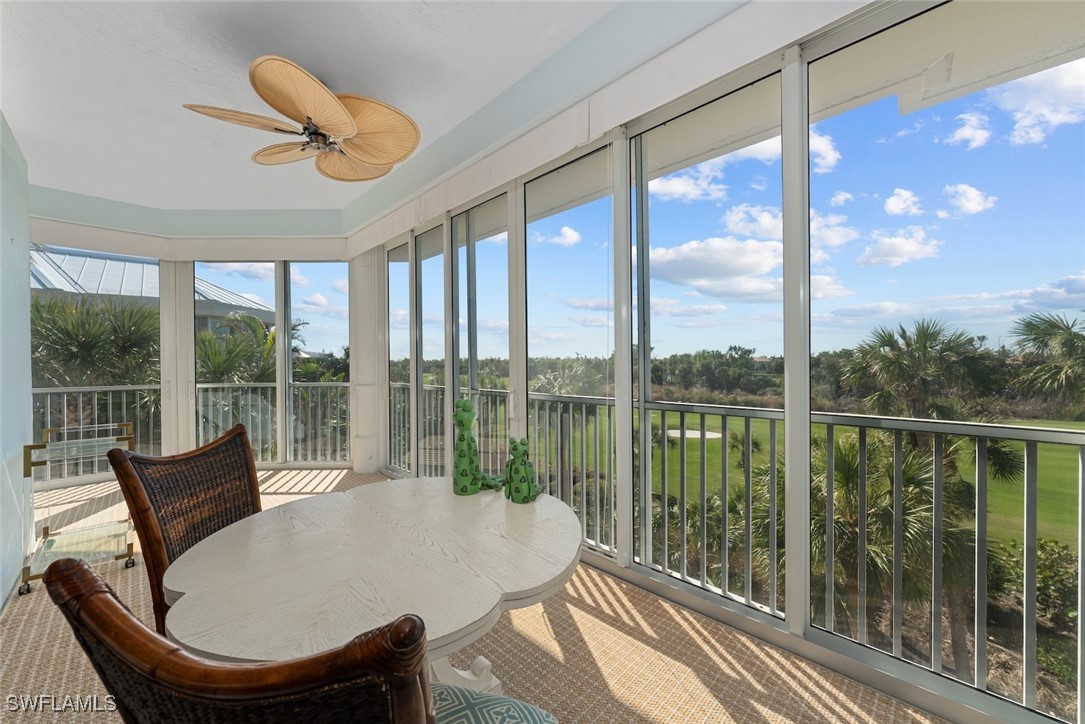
(520, 484)
(467, 471)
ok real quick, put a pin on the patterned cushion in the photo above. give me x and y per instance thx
(457, 705)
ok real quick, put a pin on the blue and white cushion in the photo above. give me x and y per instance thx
(457, 705)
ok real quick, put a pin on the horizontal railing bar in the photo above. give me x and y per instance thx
(963, 429)
(762, 413)
(95, 389)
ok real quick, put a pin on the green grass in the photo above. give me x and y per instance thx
(1057, 503)
(1057, 493)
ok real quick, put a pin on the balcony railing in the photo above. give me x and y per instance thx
(319, 419)
(915, 552)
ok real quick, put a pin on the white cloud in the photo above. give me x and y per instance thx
(759, 222)
(668, 307)
(297, 277)
(902, 202)
(840, 198)
(317, 300)
(975, 130)
(398, 318)
(568, 236)
(592, 320)
(248, 270)
(766, 152)
(968, 199)
(829, 231)
(942, 214)
(253, 297)
(818, 256)
(1042, 102)
(1064, 294)
(914, 128)
(759, 183)
(823, 153)
(873, 310)
(823, 286)
(696, 183)
(493, 325)
(341, 286)
(904, 246)
(721, 267)
(582, 303)
(501, 238)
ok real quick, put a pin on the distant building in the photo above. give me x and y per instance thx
(62, 272)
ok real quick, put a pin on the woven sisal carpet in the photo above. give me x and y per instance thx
(600, 651)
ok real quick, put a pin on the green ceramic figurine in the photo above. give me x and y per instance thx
(467, 469)
(520, 484)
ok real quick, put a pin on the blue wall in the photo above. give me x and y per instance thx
(16, 496)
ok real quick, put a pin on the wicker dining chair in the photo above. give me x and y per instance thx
(178, 500)
(379, 676)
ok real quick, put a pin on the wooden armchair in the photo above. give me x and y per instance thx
(178, 500)
(379, 676)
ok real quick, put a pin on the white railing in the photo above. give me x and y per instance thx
(64, 408)
(909, 555)
(319, 428)
(319, 419)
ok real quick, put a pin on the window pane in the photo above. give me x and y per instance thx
(480, 237)
(320, 362)
(711, 219)
(235, 352)
(94, 325)
(429, 251)
(570, 342)
(947, 267)
(399, 358)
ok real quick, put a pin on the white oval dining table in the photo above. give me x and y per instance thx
(310, 575)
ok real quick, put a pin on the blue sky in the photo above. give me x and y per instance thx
(318, 295)
(971, 211)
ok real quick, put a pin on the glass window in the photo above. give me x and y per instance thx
(570, 337)
(709, 266)
(319, 361)
(480, 237)
(948, 284)
(235, 352)
(399, 358)
(94, 325)
(429, 253)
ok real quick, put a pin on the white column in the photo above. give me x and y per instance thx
(368, 361)
(796, 165)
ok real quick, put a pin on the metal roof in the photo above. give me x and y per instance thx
(79, 271)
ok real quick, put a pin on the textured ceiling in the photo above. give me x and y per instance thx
(93, 90)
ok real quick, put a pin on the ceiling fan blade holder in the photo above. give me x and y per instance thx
(298, 95)
(337, 165)
(285, 153)
(385, 134)
(246, 119)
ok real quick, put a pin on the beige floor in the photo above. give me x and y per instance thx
(600, 651)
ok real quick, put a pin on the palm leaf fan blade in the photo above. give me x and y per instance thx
(340, 167)
(245, 119)
(292, 91)
(385, 134)
(284, 153)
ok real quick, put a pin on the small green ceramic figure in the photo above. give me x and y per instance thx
(467, 471)
(520, 484)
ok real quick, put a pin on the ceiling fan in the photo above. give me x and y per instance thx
(352, 138)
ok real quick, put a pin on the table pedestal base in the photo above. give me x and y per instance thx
(479, 677)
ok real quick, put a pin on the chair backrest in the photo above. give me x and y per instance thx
(379, 676)
(178, 500)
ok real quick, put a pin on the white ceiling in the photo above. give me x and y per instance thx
(93, 90)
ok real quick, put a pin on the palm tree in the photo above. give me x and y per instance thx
(1056, 346)
(926, 372)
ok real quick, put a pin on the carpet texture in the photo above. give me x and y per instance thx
(601, 650)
